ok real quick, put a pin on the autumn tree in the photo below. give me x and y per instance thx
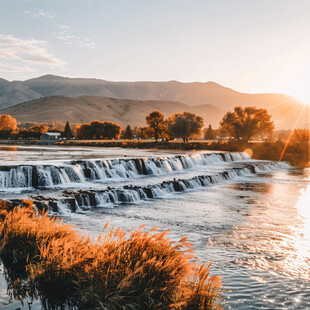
(300, 136)
(245, 123)
(67, 131)
(98, 130)
(57, 125)
(155, 121)
(40, 128)
(37, 130)
(165, 133)
(209, 133)
(128, 133)
(8, 125)
(7, 122)
(184, 125)
(26, 125)
(142, 132)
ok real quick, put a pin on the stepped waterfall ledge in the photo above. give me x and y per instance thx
(166, 175)
(25, 176)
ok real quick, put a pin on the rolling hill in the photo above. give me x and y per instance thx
(210, 100)
(88, 108)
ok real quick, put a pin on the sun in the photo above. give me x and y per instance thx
(303, 96)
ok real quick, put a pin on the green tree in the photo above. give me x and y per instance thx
(155, 121)
(245, 123)
(209, 133)
(68, 132)
(184, 125)
(128, 133)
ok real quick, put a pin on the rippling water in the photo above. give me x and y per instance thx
(255, 228)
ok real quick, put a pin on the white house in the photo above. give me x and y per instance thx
(50, 137)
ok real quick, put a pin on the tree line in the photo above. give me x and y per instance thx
(10, 129)
(241, 124)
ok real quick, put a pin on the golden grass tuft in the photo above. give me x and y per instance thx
(139, 270)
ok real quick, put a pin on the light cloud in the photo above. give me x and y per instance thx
(40, 13)
(11, 68)
(64, 27)
(66, 35)
(20, 55)
(12, 48)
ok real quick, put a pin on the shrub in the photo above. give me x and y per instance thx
(144, 270)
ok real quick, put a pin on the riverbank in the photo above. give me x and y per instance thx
(297, 154)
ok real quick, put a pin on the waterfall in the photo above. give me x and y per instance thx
(68, 173)
(74, 201)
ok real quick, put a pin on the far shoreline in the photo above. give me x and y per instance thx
(260, 150)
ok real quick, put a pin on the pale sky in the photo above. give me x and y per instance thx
(249, 45)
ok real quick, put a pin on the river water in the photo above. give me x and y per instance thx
(250, 218)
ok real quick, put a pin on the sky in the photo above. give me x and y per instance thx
(252, 46)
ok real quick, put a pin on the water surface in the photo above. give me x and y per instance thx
(254, 227)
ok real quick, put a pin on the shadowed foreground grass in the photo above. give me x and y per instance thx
(48, 260)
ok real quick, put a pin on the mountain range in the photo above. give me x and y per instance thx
(48, 98)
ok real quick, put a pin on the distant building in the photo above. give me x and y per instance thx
(50, 137)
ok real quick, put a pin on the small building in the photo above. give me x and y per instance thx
(50, 137)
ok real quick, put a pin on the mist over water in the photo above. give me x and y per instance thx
(250, 218)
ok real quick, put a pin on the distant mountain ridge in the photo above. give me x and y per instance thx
(209, 96)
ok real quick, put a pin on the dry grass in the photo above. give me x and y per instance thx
(141, 270)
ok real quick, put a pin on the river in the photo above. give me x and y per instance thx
(250, 218)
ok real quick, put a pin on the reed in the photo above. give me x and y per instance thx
(138, 270)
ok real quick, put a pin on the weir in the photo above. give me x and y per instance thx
(81, 200)
(56, 182)
(68, 173)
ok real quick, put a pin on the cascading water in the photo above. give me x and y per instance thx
(87, 199)
(159, 177)
(36, 176)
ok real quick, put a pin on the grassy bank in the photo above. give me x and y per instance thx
(151, 144)
(48, 260)
(297, 154)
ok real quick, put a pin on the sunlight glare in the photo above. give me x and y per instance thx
(303, 207)
(303, 97)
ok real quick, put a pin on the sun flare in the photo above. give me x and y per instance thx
(303, 96)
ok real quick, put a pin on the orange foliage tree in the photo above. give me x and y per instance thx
(40, 128)
(8, 125)
(142, 132)
(98, 130)
(184, 125)
(155, 120)
(245, 123)
(300, 136)
(7, 122)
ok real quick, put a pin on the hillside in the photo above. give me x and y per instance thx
(201, 96)
(88, 108)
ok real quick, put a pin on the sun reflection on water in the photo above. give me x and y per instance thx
(303, 207)
(276, 233)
